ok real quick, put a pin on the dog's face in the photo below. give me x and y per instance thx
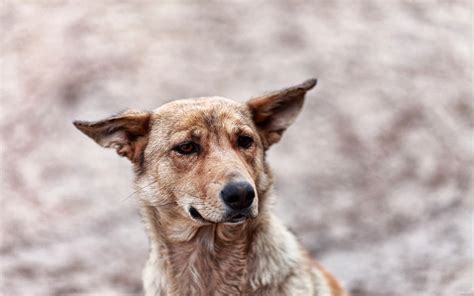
(206, 155)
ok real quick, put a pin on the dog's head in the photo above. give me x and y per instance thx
(206, 156)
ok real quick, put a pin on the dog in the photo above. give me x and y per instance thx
(205, 190)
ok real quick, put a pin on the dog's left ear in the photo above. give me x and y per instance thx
(275, 112)
(127, 132)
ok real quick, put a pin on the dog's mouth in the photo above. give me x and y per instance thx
(237, 218)
(234, 218)
(196, 216)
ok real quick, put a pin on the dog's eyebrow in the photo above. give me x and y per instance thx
(240, 129)
(195, 133)
(192, 134)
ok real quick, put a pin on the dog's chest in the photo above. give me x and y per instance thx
(207, 267)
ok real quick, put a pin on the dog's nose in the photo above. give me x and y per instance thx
(238, 195)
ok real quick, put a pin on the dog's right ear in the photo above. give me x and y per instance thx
(127, 132)
(275, 112)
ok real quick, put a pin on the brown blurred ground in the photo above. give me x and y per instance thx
(375, 176)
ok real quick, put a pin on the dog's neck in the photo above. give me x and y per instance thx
(214, 259)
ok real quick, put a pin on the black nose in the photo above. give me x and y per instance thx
(238, 195)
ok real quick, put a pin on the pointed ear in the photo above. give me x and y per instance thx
(275, 112)
(127, 132)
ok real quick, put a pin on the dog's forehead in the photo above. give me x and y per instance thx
(202, 103)
(206, 110)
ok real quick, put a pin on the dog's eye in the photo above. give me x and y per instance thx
(187, 148)
(244, 142)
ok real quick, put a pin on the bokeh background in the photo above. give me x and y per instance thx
(375, 176)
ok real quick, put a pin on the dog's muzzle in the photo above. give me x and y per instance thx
(238, 198)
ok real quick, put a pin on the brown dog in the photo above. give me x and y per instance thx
(204, 189)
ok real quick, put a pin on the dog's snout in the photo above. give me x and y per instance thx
(238, 195)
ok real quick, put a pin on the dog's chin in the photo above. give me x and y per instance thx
(235, 221)
(229, 219)
(238, 218)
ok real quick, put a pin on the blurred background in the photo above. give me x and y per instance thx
(375, 176)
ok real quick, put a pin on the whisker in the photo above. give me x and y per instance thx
(165, 204)
(138, 190)
(188, 194)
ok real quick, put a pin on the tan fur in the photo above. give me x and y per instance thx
(208, 255)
